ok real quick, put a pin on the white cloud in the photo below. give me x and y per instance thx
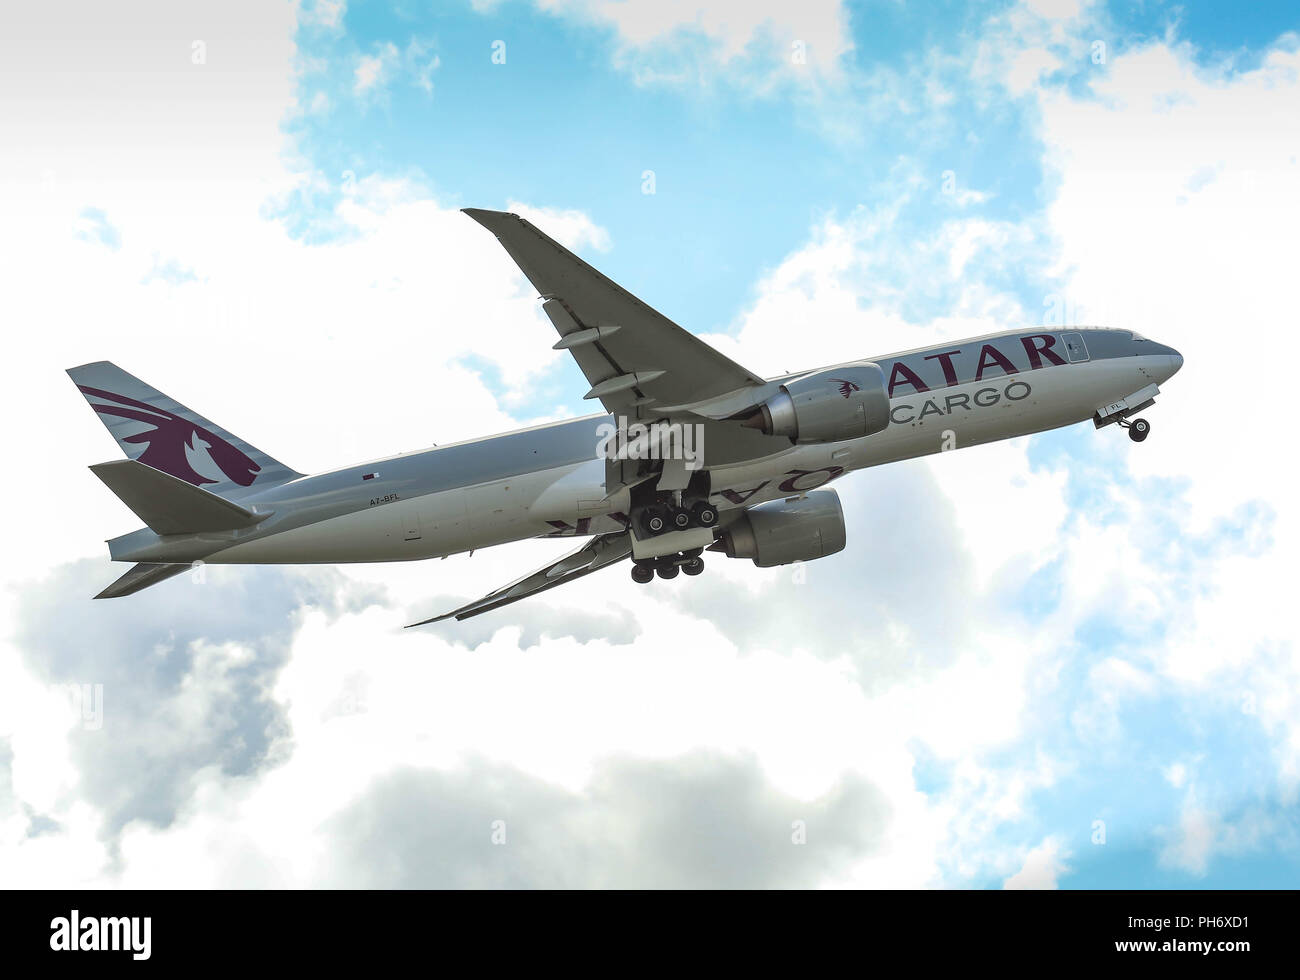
(685, 40)
(422, 64)
(323, 13)
(1170, 184)
(572, 229)
(1043, 866)
(1192, 842)
(850, 283)
(374, 73)
(1056, 9)
(372, 70)
(1206, 831)
(1208, 273)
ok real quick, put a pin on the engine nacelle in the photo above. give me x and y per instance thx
(782, 531)
(845, 402)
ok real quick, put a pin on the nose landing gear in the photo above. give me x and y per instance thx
(1122, 411)
(1138, 429)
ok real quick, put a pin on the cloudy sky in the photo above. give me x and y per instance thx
(1062, 661)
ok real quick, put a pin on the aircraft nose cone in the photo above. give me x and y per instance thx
(1175, 363)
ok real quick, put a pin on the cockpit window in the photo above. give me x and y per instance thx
(1136, 335)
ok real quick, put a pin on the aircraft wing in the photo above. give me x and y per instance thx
(634, 358)
(141, 577)
(595, 554)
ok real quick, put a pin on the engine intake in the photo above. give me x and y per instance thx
(845, 402)
(783, 531)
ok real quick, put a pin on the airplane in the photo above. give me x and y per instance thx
(692, 452)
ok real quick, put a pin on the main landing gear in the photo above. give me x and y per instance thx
(681, 515)
(657, 518)
(667, 566)
(1138, 429)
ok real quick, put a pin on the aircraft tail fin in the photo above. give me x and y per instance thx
(170, 505)
(141, 577)
(162, 433)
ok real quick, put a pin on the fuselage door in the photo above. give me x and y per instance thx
(1074, 348)
(411, 524)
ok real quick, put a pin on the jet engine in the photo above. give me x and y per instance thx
(783, 531)
(845, 402)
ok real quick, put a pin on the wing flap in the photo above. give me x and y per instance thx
(600, 552)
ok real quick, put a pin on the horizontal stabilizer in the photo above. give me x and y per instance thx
(140, 577)
(170, 505)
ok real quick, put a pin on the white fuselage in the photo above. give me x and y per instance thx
(569, 500)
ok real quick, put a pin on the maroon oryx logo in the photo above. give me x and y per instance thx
(166, 444)
(847, 388)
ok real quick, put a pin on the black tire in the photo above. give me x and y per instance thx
(667, 571)
(681, 519)
(705, 514)
(654, 520)
(694, 566)
(1139, 430)
(641, 574)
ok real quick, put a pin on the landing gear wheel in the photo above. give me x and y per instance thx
(705, 514)
(654, 520)
(681, 519)
(641, 574)
(694, 566)
(667, 571)
(1139, 429)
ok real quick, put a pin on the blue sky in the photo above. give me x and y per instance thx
(739, 177)
(1218, 31)
(742, 173)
